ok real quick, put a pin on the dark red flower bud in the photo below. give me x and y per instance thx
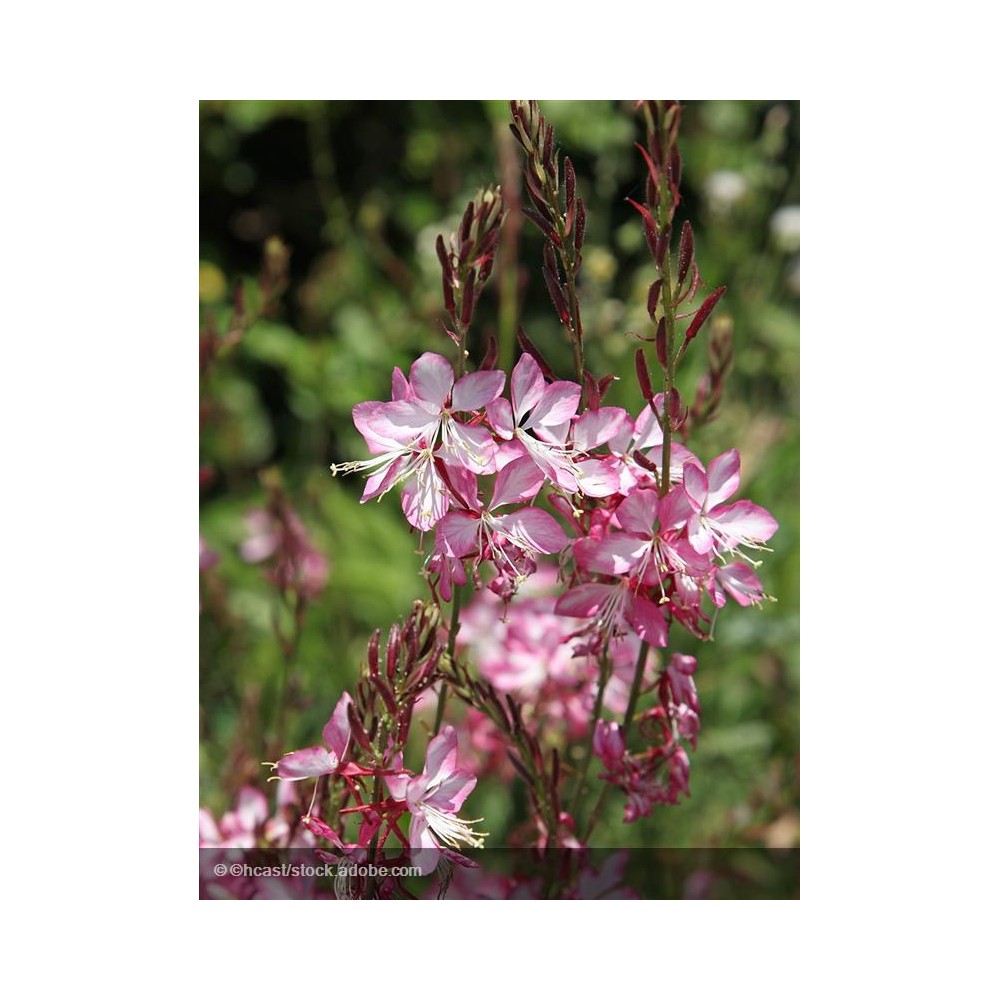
(357, 728)
(642, 371)
(468, 301)
(704, 312)
(661, 342)
(392, 651)
(529, 348)
(641, 459)
(686, 252)
(570, 181)
(386, 694)
(466, 227)
(581, 226)
(653, 298)
(490, 357)
(555, 293)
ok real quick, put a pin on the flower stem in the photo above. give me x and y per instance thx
(605, 668)
(633, 700)
(456, 607)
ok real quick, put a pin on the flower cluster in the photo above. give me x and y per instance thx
(644, 555)
(659, 773)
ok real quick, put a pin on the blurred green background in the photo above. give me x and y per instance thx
(358, 192)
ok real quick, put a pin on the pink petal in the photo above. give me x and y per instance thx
(745, 522)
(424, 498)
(597, 427)
(674, 509)
(380, 435)
(723, 478)
(616, 554)
(431, 378)
(501, 420)
(696, 485)
(386, 426)
(584, 601)
(621, 439)
(598, 477)
(556, 405)
(462, 484)
(472, 447)
(442, 752)
(637, 512)
(679, 457)
(533, 529)
(378, 482)
(400, 387)
(647, 620)
(308, 763)
(742, 583)
(208, 831)
(699, 536)
(476, 389)
(251, 807)
(397, 785)
(337, 732)
(526, 385)
(519, 481)
(648, 432)
(452, 792)
(510, 451)
(458, 534)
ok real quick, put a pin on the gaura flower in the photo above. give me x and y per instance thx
(412, 434)
(434, 797)
(315, 761)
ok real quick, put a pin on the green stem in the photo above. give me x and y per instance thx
(598, 705)
(507, 257)
(456, 607)
(633, 701)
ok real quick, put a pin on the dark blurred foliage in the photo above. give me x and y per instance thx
(358, 192)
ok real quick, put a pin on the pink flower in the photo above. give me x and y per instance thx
(418, 429)
(609, 746)
(680, 678)
(648, 550)
(314, 761)
(277, 536)
(239, 828)
(740, 582)
(538, 418)
(434, 797)
(614, 609)
(509, 541)
(714, 528)
(645, 436)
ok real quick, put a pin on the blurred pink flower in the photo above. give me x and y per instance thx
(278, 535)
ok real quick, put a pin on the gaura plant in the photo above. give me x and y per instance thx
(565, 542)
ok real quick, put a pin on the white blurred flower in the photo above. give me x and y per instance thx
(724, 188)
(785, 228)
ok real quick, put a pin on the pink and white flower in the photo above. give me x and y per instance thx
(510, 541)
(434, 797)
(713, 527)
(315, 761)
(414, 432)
